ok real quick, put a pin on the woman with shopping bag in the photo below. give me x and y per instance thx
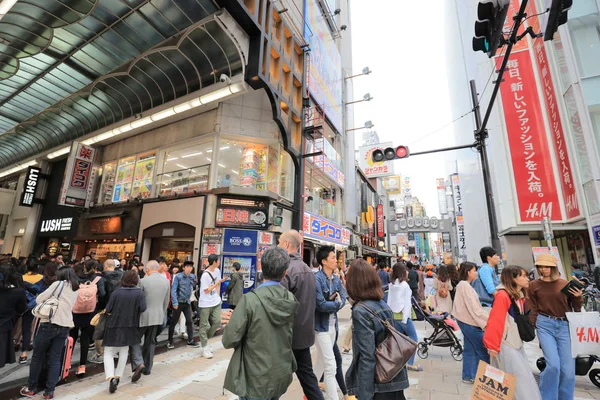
(506, 330)
(548, 314)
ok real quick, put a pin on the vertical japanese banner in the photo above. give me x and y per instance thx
(557, 136)
(532, 166)
(460, 220)
(79, 176)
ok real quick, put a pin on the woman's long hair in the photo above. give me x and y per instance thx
(69, 275)
(442, 274)
(509, 274)
(452, 272)
(399, 272)
(50, 273)
(362, 282)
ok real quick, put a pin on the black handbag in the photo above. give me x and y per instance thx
(526, 329)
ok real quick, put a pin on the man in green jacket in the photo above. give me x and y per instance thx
(260, 331)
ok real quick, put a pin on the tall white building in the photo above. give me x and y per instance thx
(560, 83)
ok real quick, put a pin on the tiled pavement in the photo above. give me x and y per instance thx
(181, 374)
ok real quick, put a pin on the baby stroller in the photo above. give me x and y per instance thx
(442, 336)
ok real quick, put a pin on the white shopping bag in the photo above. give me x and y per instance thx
(585, 330)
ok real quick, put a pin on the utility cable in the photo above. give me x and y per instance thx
(439, 129)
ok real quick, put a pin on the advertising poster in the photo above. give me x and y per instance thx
(325, 83)
(144, 169)
(79, 177)
(554, 251)
(273, 168)
(240, 241)
(374, 169)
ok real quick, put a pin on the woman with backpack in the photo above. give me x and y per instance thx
(502, 336)
(53, 332)
(364, 286)
(443, 286)
(83, 312)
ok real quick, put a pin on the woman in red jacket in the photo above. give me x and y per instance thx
(501, 336)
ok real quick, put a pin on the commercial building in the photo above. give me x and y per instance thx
(543, 135)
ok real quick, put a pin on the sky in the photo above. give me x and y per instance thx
(408, 84)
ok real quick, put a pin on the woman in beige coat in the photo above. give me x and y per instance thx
(443, 285)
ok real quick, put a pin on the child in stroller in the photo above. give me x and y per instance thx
(443, 333)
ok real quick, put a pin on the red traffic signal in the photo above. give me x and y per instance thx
(390, 153)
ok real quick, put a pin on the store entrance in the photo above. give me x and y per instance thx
(170, 240)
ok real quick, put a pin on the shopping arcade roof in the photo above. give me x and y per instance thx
(71, 67)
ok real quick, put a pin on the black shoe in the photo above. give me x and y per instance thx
(137, 374)
(144, 372)
(114, 383)
(193, 343)
(170, 345)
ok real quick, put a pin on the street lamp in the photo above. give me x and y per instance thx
(368, 125)
(365, 71)
(366, 97)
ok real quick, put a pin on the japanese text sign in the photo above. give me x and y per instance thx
(80, 173)
(532, 167)
(380, 222)
(317, 227)
(374, 169)
(242, 213)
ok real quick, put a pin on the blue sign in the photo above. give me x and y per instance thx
(239, 241)
(596, 230)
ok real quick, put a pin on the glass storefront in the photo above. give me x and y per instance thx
(127, 179)
(186, 170)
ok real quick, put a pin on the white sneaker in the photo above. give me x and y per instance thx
(185, 336)
(209, 347)
(206, 353)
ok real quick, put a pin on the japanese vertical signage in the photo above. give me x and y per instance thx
(567, 184)
(380, 221)
(534, 178)
(441, 191)
(78, 182)
(460, 221)
(31, 183)
(534, 173)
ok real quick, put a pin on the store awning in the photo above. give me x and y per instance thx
(525, 230)
(72, 67)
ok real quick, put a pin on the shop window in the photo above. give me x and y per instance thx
(186, 170)
(584, 26)
(144, 174)
(124, 179)
(322, 197)
(286, 178)
(242, 164)
(107, 186)
(134, 178)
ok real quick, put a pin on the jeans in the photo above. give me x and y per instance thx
(409, 330)
(86, 338)
(109, 361)
(389, 396)
(473, 349)
(306, 376)
(210, 321)
(557, 381)
(48, 346)
(325, 362)
(143, 354)
(186, 309)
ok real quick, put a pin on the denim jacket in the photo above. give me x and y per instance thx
(367, 333)
(324, 307)
(181, 291)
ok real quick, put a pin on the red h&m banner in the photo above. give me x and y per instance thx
(531, 161)
(567, 184)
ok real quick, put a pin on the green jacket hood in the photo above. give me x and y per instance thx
(279, 303)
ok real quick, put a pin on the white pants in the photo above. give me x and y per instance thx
(325, 362)
(109, 362)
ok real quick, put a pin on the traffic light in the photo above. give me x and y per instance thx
(390, 153)
(488, 27)
(556, 17)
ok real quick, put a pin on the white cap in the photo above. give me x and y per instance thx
(117, 263)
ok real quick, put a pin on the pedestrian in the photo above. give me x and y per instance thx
(472, 319)
(399, 300)
(413, 280)
(487, 272)
(181, 294)
(300, 280)
(383, 275)
(157, 294)
(501, 336)
(209, 303)
(453, 275)
(443, 286)
(52, 334)
(126, 304)
(548, 314)
(260, 330)
(30, 278)
(331, 297)
(428, 280)
(13, 302)
(163, 270)
(235, 288)
(364, 287)
(83, 312)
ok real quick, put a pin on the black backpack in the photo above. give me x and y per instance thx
(526, 329)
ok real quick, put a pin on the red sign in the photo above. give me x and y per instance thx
(532, 168)
(380, 222)
(567, 184)
(81, 174)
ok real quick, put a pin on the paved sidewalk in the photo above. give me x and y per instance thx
(182, 374)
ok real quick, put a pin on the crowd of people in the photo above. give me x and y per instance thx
(118, 308)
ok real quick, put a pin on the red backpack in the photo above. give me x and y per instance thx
(86, 297)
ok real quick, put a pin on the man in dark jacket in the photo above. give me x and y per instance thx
(413, 280)
(300, 280)
(260, 331)
(235, 289)
(181, 295)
